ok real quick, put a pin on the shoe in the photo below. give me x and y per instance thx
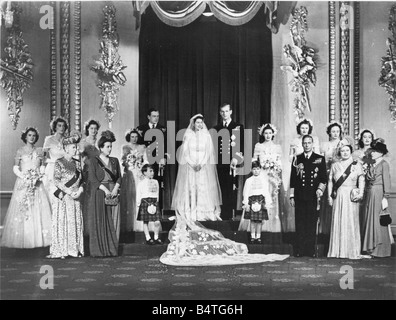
(252, 241)
(258, 241)
(150, 242)
(158, 241)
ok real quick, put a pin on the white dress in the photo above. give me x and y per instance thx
(197, 193)
(28, 220)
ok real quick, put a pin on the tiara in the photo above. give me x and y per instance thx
(304, 119)
(74, 137)
(128, 132)
(333, 123)
(196, 116)
(347, 140)
(89, 120)
(274, 129)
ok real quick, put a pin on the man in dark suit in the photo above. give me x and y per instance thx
(307, 184)
(155, 142)
(229, 156)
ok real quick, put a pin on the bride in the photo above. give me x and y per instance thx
(197, 197)
(197, 191)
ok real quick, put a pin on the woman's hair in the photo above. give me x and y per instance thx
(88, 124)
(329, 127)
(55, 122)
(26, 131)
(256, 164)
(360, 142)
(146, 167)
(262, 129)
(106, 136)
(347, 145)
(305, 121)
(128, 135)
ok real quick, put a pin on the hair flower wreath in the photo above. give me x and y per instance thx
(267, 125)
(303, 120)
(333, 123)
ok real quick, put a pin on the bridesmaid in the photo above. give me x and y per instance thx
(345, 175)
(104, 179)
(53, 148)
(88, 149)
(304, 127)
(377, 238)
(329, 149)
(67, 219)
(28, 220)
(133, 158)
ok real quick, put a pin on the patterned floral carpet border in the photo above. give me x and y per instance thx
(140, 278)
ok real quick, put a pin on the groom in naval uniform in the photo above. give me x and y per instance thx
(232, 151)
(307, 184)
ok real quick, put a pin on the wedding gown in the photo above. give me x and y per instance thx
(191, 244)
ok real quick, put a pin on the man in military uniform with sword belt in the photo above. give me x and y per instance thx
(307, 183)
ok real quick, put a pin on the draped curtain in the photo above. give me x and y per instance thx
(194, 69)
(236, 13)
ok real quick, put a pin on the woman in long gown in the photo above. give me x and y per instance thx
(304, 127)
(329, 150)
(54, 150)
(88, 149)
(197, 190)
(133, 158)
(366, 137)
(269, 155)
(197, 196)
(345, 229)
(104, 179)
(67, 218)
(377, 239)
(28, 220)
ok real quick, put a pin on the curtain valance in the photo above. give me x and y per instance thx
(235, 13)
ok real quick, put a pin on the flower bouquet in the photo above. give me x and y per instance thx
(29, 183)
(272, 165)
(134, 160)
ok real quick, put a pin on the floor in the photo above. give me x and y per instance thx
(145, 278)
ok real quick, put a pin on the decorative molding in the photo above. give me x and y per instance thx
(332, 61)
(65, 60)
(16, 64)
(53, 61)
(77, 65)
(109, 65)
(388, 68)
(301, 62)
(356, 71)
(344, 65)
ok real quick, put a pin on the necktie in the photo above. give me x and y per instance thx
(225, 124)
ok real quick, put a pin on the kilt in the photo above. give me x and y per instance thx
(260, 215)
(144, 215)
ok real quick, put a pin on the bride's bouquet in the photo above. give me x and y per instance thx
(134, 160)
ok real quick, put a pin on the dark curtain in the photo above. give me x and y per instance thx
(196, 68)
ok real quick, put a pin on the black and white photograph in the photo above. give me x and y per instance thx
(196, 155)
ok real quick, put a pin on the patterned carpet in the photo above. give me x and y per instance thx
(142, 278)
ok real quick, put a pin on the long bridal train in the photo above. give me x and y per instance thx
(191, 244)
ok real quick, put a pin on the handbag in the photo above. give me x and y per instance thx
(385, 218)
(355, 195)
(111, 201)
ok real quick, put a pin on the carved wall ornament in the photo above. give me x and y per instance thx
(109, 65)
(387, 78)
(16, 68)
(301, 62)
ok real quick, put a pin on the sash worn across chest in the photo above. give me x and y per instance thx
(342, 179)
(112, 175)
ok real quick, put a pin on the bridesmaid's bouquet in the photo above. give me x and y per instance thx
(30, 179)
(134, 160)
(272, 165)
